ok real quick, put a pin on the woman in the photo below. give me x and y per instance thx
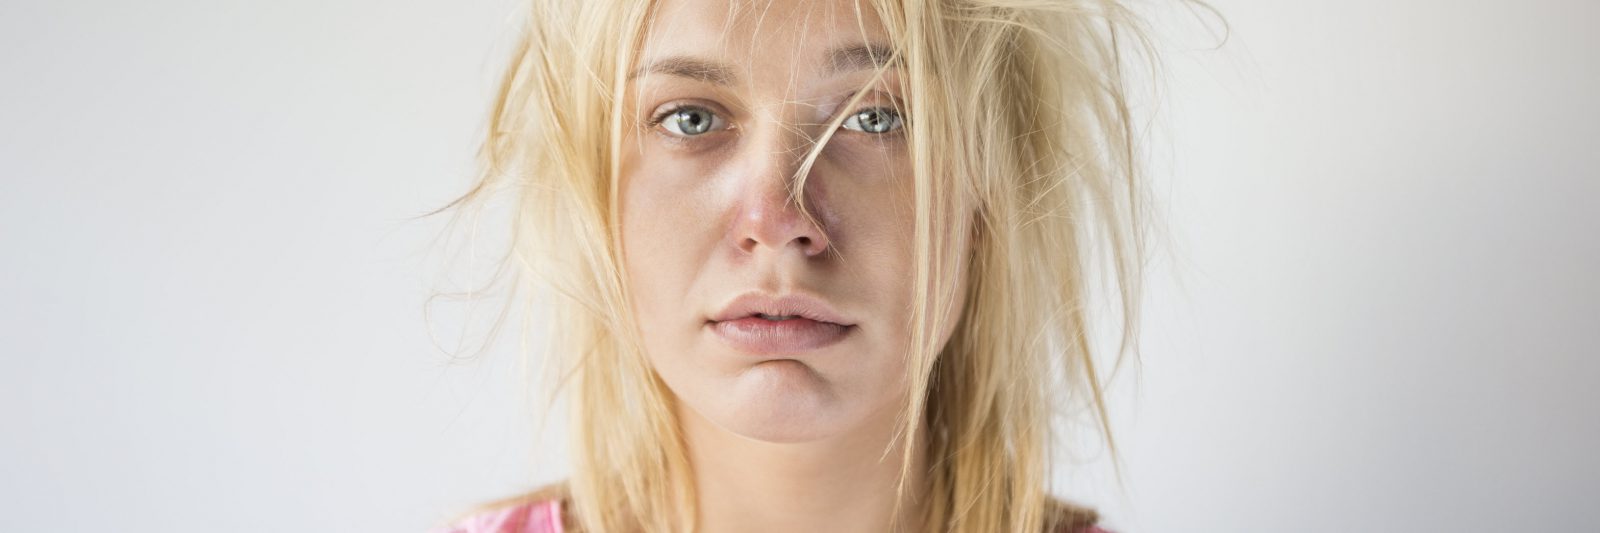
(818, 265)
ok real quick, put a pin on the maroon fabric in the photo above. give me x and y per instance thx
(545, 517)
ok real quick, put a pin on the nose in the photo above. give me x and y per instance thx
(768, 219)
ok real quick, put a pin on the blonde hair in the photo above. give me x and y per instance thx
(1024, 156)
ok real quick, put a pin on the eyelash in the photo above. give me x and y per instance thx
(655, 121)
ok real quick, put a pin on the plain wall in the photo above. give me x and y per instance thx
(1377, 311)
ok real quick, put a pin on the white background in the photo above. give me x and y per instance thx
(1379, 310)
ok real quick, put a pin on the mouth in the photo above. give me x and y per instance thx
(763, 334)
(778, 308)
(759, 324)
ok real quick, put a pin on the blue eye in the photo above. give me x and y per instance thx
(873, 120)
(689, 121)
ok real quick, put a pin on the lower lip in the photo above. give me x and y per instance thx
(772, 337)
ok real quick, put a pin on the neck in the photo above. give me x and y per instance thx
(836, 484)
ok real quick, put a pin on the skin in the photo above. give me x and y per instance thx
(777, 443)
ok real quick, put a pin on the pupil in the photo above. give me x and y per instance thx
(873, 121)
(692, 122)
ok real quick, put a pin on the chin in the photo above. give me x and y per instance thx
(783, 401)
(778, 432)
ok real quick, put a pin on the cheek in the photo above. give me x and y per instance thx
(877, 196)
(665, 241)
(872, 194)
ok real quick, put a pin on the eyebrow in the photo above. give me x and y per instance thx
(861, 57)
(839, 60)
(693, 68)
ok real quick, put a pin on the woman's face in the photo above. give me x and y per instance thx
(721, 112)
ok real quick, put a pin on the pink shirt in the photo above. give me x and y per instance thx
(542, 517)
(534, 517)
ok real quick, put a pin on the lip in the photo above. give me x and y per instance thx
(815, 324)
(802, 305)
(760, 336)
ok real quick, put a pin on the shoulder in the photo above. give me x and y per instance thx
(532, 517)
(1084, 528)
(1068, 517)
(539, 511)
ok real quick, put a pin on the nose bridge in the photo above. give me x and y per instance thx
(768, 217)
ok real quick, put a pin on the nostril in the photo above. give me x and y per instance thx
(805, 242)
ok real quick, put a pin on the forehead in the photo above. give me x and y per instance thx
(764, 38)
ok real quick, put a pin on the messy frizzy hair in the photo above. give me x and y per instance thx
(1026, 171)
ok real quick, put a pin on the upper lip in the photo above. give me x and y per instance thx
(798, 304)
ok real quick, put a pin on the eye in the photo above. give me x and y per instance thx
(873, 120)
(689, 121)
